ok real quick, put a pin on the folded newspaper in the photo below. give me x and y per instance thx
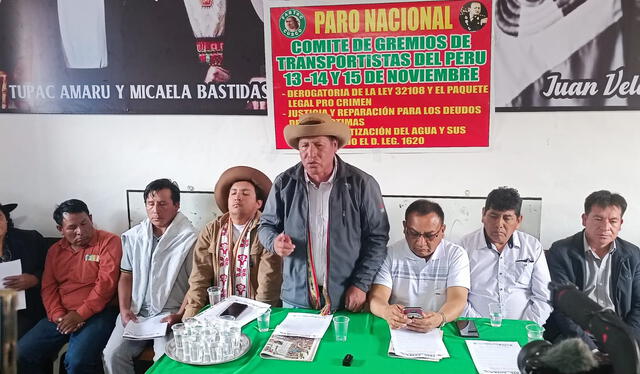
(297, 338)
(295, 348)
(417, 345)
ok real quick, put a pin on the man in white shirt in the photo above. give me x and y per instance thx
(154, 274)
(507, 266)
(423, 270)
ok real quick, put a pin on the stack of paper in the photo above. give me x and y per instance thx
(494, 357)
(253, 310)
(297, 338)
(145, 328)
(417, 345)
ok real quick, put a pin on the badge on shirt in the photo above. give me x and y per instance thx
(93, 258)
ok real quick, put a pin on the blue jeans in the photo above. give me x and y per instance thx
(291, 306)
(38, 347)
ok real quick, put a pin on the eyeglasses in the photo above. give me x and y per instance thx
(414, 235)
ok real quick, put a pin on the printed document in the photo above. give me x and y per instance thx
(418, 345)
(292, 348)
(145, 328)
(253, 310)
(13, 268)
(304, 324)
(494, 357)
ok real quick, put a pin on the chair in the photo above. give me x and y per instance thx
(57, 362)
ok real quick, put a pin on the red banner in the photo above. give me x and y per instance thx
(401, 75)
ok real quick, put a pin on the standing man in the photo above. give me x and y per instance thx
(326, 218)
(228, 253)
(422, 270)
(156, 264)
(79, 280)
(508, 266)
(600, 264)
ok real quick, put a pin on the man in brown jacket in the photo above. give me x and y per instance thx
(228, 253)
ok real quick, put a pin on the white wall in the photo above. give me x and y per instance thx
(561, 157)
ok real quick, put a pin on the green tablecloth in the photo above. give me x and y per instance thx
(368, 342)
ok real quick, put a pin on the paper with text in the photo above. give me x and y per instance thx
(8, 269)
(418, 345)
(304, 324)
(494, 357)
(253, 310)
(146, 328)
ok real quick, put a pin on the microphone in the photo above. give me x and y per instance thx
(571, 356)
(610, 331)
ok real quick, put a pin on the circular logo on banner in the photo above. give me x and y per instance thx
(292, 23)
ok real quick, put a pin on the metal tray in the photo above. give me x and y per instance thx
(245, 344)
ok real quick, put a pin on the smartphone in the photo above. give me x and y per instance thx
(234, 310)
(467, 328)
(413, 311)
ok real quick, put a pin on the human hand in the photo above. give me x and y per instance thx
(172, 319)
(354, 299)
(428, 322)
(20, 282)
(282, 245)
(217, 74)
(126, 316)
(70, 323)
(395, 316)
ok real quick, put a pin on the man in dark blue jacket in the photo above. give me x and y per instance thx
(327, 220)
(603, 266)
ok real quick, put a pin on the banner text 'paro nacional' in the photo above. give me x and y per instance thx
(401, 75)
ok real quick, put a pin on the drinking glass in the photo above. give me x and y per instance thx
(341, 326)
(263, 321)
(179, 331)
(534, 332)
(214, 294)
(495, 313)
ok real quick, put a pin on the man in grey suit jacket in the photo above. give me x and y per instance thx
(603, 266)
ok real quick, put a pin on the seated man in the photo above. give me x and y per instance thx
(603, 266)
(423, 270)
(507, 266)
(240, 193)
(79, 280)
(155, 268)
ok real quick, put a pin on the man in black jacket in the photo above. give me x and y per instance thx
(603, 266)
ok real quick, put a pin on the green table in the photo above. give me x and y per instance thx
(368, 341)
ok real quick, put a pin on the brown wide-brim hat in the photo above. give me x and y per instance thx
(317, 124)
(232, 175)
(7, 208)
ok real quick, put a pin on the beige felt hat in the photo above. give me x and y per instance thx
(241, 173)
(317, 124)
